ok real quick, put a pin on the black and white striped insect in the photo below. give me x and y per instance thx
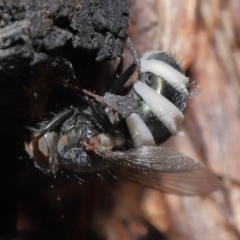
(124, 132)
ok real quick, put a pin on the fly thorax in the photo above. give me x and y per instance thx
(72, 148)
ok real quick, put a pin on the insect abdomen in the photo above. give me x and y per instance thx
(161, 100)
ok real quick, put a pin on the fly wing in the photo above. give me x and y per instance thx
(163, 169)
(197, 182)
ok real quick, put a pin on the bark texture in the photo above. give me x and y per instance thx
(43, 46)
(33, 30)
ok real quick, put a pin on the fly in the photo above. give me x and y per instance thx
(124, 133)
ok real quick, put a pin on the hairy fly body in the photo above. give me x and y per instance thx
(124, 132)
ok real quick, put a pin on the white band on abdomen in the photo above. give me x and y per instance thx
(140, 133)
(166, 111)
(168, 73)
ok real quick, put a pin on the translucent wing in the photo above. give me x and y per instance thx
(197, 182)
(163, 169)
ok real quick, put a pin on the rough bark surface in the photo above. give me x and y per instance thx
(42, 42)
(32, 31)
(43, 46)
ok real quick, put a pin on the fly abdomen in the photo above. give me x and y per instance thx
(161, 96)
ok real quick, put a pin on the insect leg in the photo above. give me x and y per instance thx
(101, 122)
(129, 72)
(106, 125)
(56, 121)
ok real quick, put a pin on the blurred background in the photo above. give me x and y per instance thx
(205, 37)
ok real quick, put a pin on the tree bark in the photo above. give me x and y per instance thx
(204, 36)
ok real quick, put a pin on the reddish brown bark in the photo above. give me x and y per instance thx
(204, 36)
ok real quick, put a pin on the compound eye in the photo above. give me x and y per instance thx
(38, 150)
(43, 152)
(42, 146)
